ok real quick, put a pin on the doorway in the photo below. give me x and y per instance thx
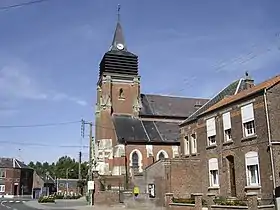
(15, 189)
(231, 170)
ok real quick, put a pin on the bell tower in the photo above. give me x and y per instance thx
(118, 86)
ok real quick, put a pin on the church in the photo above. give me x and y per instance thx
(133, 129)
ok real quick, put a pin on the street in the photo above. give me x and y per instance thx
(13, 204)
(26, 204)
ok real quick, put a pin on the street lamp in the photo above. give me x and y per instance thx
(67, 172)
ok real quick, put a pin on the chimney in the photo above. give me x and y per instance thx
(249, 82)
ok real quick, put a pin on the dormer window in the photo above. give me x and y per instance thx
(121, 95)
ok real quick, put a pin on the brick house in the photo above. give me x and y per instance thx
(237, 140)
(141, 127)
(16, 178)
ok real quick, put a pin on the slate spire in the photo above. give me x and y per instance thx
(118, 42)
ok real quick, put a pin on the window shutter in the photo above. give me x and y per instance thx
(251, 158)
(226, 121)
(213, 164)
(211, 127)
(247, 113)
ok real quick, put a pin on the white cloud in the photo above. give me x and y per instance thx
(15, 83)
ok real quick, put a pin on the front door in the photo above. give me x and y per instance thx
(232, 175)
(15, 189)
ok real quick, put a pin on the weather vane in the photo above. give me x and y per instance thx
(119, 8)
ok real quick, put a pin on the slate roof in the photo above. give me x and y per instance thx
(12, 163)
(169, 106)
(230, 90)
(140, 131)
(245, 93)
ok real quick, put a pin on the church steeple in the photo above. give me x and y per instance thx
(118, 42)
(118, 60)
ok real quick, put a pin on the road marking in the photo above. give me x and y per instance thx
(8, 207)
(11, 201)
(4, 201)
(17, 201)
(14, 209)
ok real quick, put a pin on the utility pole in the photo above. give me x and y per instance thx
(80, 162)
(91, 157)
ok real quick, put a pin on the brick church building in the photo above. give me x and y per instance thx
(141, 127)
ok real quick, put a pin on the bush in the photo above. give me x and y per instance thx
(64, 196)
(183, 200)
(46, 199)
(225, 202)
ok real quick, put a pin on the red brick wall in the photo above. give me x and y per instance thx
(174, 206)
(106, 198)
(238, 148)
(12, 177)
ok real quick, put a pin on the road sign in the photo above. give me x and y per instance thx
(90, 185)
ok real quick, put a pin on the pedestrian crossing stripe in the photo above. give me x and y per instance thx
(12, 201)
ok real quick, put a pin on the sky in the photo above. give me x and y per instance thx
(50, 54)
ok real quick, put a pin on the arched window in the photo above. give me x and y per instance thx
(121, 93)
(161, 156)
(186, 145)
(135, 161)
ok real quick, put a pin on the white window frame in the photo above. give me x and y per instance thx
(213, 167)
(247, 115)
(211, 130)
(193, 143)
(245, 130)
(2, 188)
(252, 159)
(227, 126)
(186, 145)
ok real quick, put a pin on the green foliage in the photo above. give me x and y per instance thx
(58, 169)
(46, 199)
(187, 201)
(183, 200)
(225, 202)
(62, 196)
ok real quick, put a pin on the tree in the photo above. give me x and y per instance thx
(59, 168)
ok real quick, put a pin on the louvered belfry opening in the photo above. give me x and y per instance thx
(116, 62)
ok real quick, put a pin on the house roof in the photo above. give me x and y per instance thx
(245, 93)
(231, 89)
(169, 106)
(134, 130)
(12, 163)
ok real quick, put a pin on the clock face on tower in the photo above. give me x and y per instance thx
(120, 46)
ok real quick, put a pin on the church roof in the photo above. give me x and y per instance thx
(156, 129)
(134, 130)
(169, 106)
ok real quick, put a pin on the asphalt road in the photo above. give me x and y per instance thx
(18, 204)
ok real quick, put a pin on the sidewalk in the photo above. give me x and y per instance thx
(35, 204)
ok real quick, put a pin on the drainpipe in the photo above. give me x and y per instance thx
(269, 139)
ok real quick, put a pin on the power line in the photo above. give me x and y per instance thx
(41, 145)
(22, 4)
(39, 125)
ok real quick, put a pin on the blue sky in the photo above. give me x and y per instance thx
(50, 52)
